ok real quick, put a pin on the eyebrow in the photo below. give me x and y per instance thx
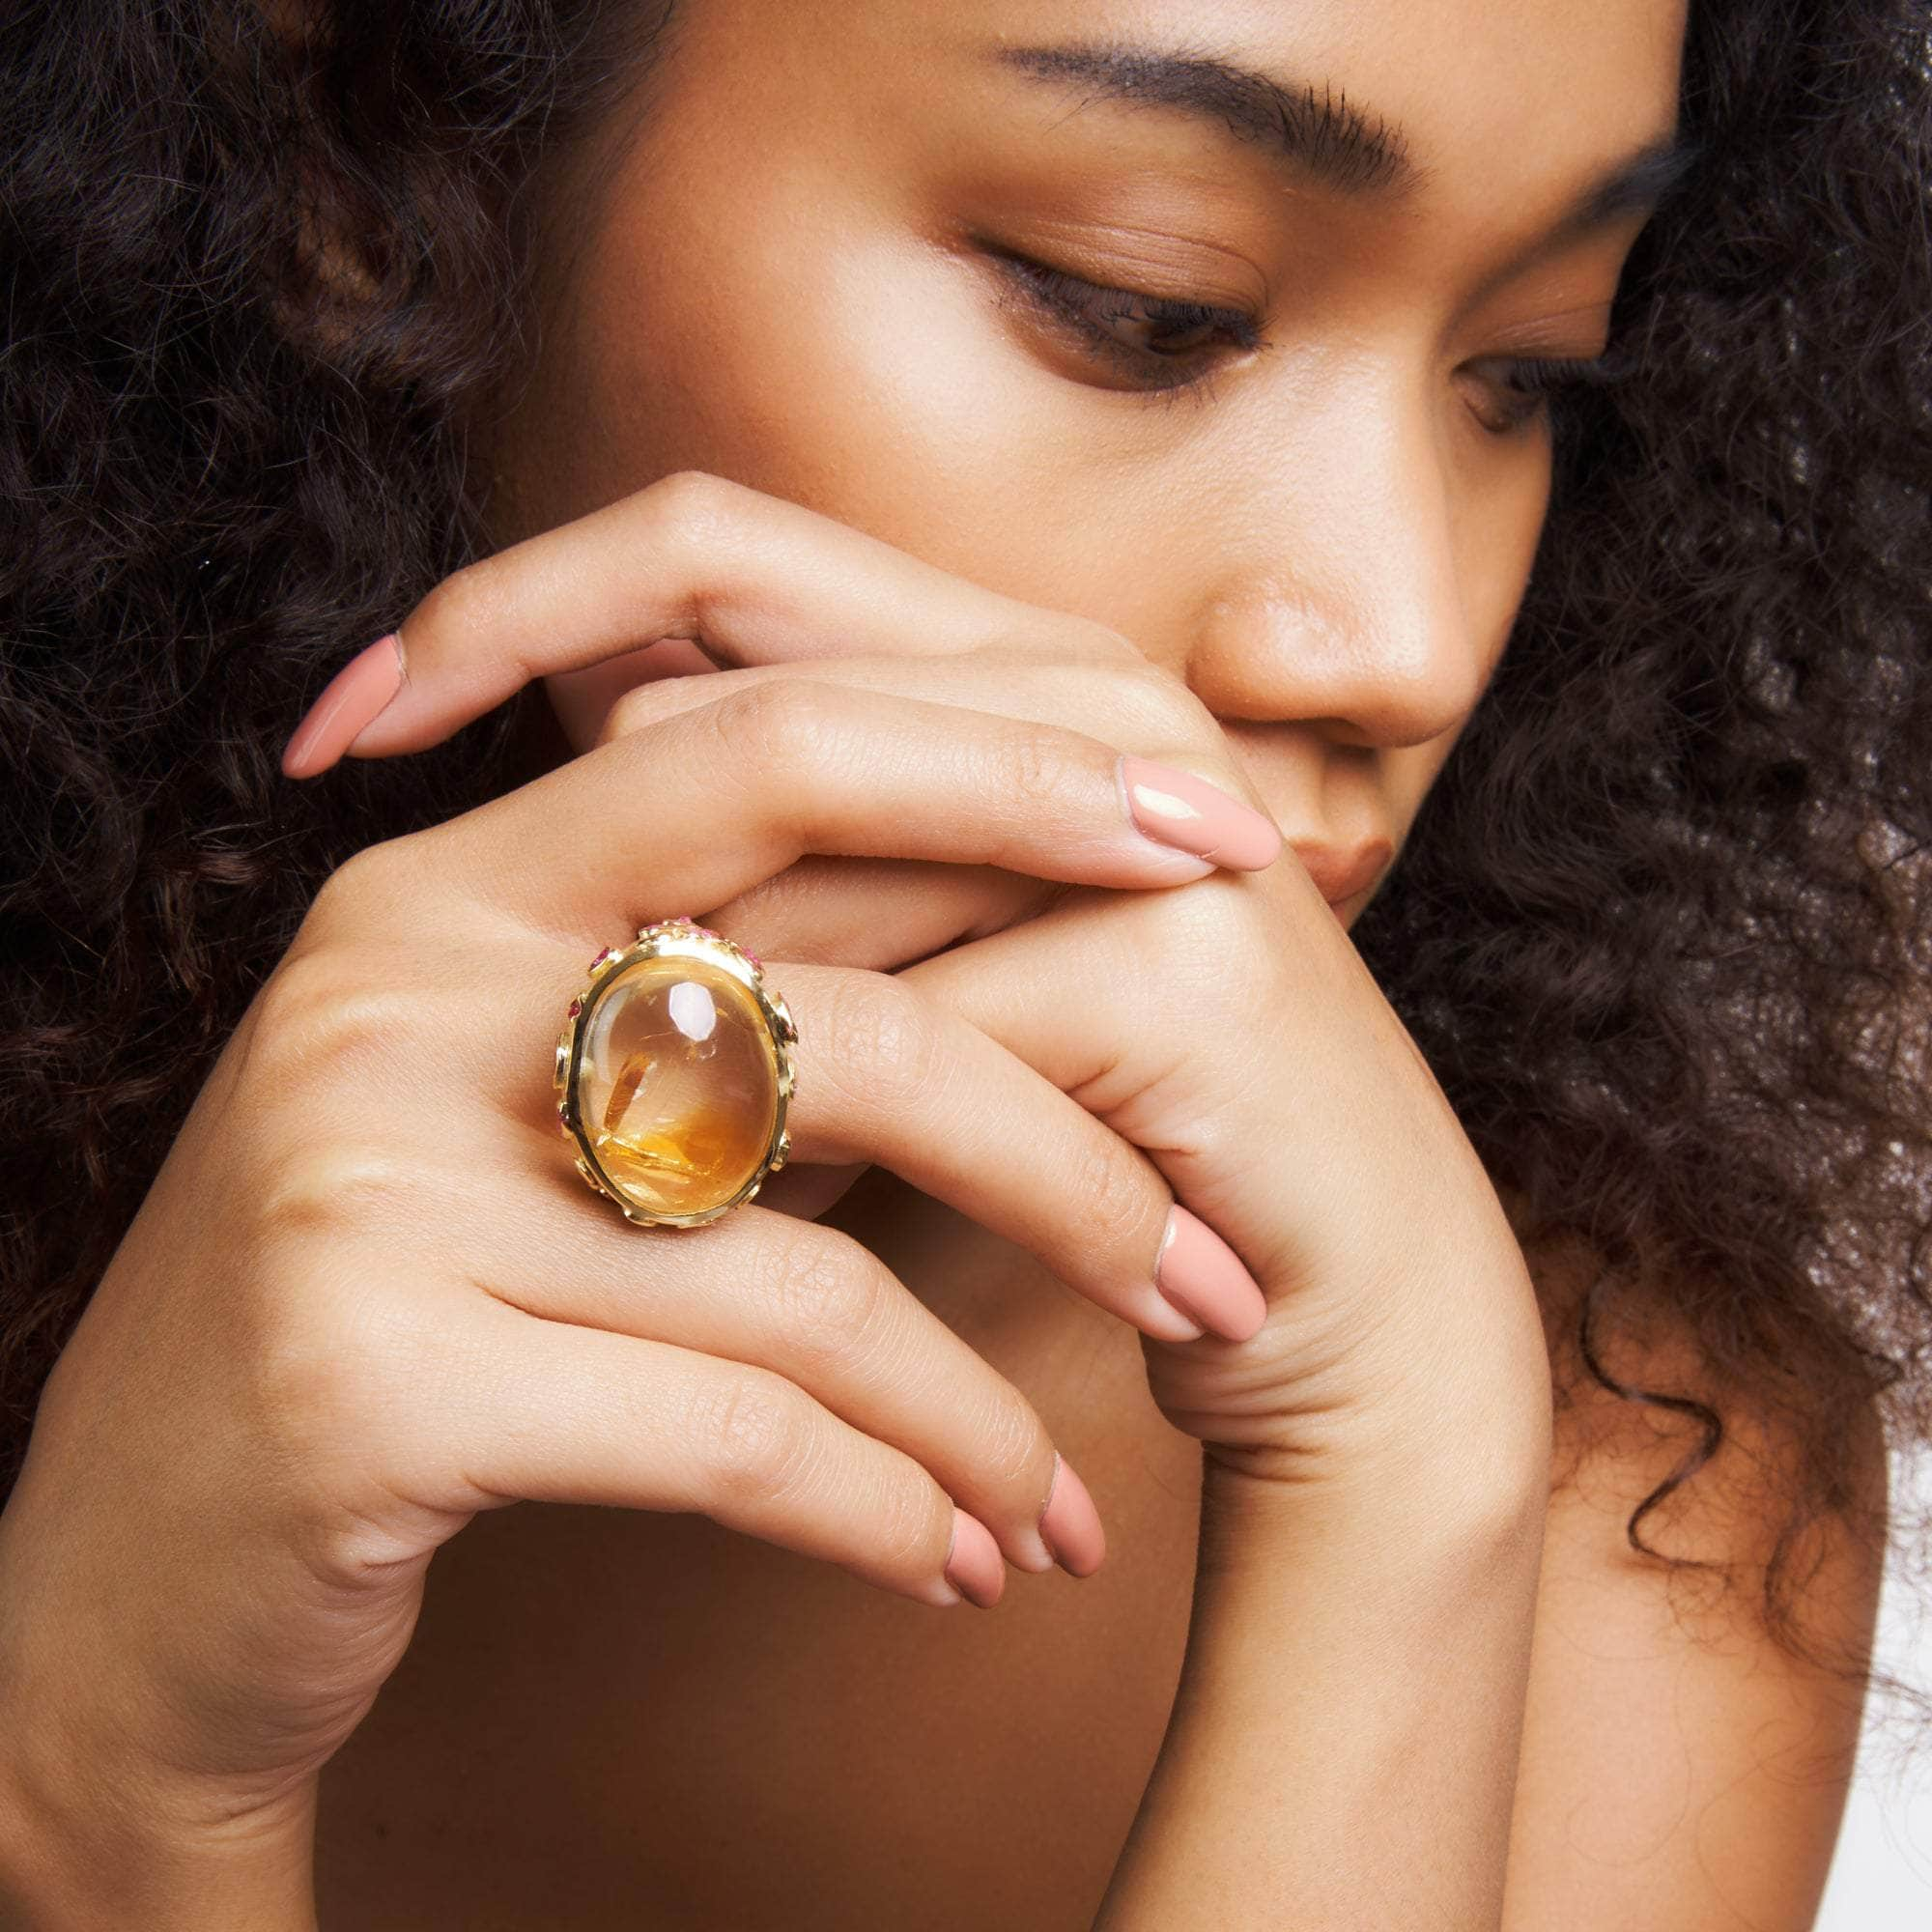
(1320, 134)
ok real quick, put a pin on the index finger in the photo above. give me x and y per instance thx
(754, 578)
(712, 801)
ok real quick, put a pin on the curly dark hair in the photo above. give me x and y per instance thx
(1656, 928)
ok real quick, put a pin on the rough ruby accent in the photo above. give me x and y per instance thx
(576, 1008)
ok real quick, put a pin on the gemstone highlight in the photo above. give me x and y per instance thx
(677, 1085)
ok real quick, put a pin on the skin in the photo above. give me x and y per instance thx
(621, 1717)
(1371, 544)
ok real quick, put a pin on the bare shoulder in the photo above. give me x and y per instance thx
(1681, 1768)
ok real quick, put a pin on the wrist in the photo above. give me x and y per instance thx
(88, 1852)
(1359, 1651)
(101, 1827)
(1429, 1479)
(1383, 1528)
(1460, 1433)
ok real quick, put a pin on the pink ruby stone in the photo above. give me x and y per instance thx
(576, 1008)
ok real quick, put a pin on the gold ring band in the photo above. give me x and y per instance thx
(673, 1075)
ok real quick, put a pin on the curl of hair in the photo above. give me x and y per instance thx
(1658, 928)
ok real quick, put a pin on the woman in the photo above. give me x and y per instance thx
(949, 491)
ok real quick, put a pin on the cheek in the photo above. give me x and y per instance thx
(759, 330)
(786, 324)
(768, 333)
(1495, 527)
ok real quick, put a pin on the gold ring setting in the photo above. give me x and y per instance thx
(673, 1075)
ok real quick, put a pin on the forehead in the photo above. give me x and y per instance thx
(1496, 94)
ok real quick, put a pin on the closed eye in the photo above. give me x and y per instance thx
(1158, 344)
(1529, 384)
(1154, 341)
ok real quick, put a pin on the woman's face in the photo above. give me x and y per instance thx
(868, 255)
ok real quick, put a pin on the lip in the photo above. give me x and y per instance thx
(1341, 872)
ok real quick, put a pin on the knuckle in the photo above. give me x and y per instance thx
(324, 1187)
(685, 498)
(631, 712)
(315, 1371)
(875, 1030)
(466, 601)
(685, 506)
(1168, 713)
(1038, 770)
(827, 1301)
(297, 994)
(753, 1436)
(1110, 1196)
(1213, 939)
(811, 720)
(785, 727)
(321, 1017)
(1012, 1450)
(902, 1512)
(1220, 964)
(339, 1381)
(367, 882)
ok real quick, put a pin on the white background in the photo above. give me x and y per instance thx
(1882, 1876)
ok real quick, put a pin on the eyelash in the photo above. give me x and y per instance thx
(1090, 307)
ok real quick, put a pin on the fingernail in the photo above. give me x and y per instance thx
(1176, 809)
(1071, 1525)
(1202, 1276)
(1161, 1319)
(974, 1567)
(361, 690)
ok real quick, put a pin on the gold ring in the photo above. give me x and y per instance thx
(673, 1075)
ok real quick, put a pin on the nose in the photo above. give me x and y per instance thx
(1341, 595)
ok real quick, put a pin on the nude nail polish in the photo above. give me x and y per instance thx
(1071, 1524)
(1176, 809)
(1204, 1277)
(974, 1567)
(349, 705)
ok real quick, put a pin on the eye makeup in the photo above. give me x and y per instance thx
(1152, 342)
(1160, 344)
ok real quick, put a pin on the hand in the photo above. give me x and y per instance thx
(367, 1297)
(1233, 1033)
(1376, 1453)
(1260, 1065)
(776, 591)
